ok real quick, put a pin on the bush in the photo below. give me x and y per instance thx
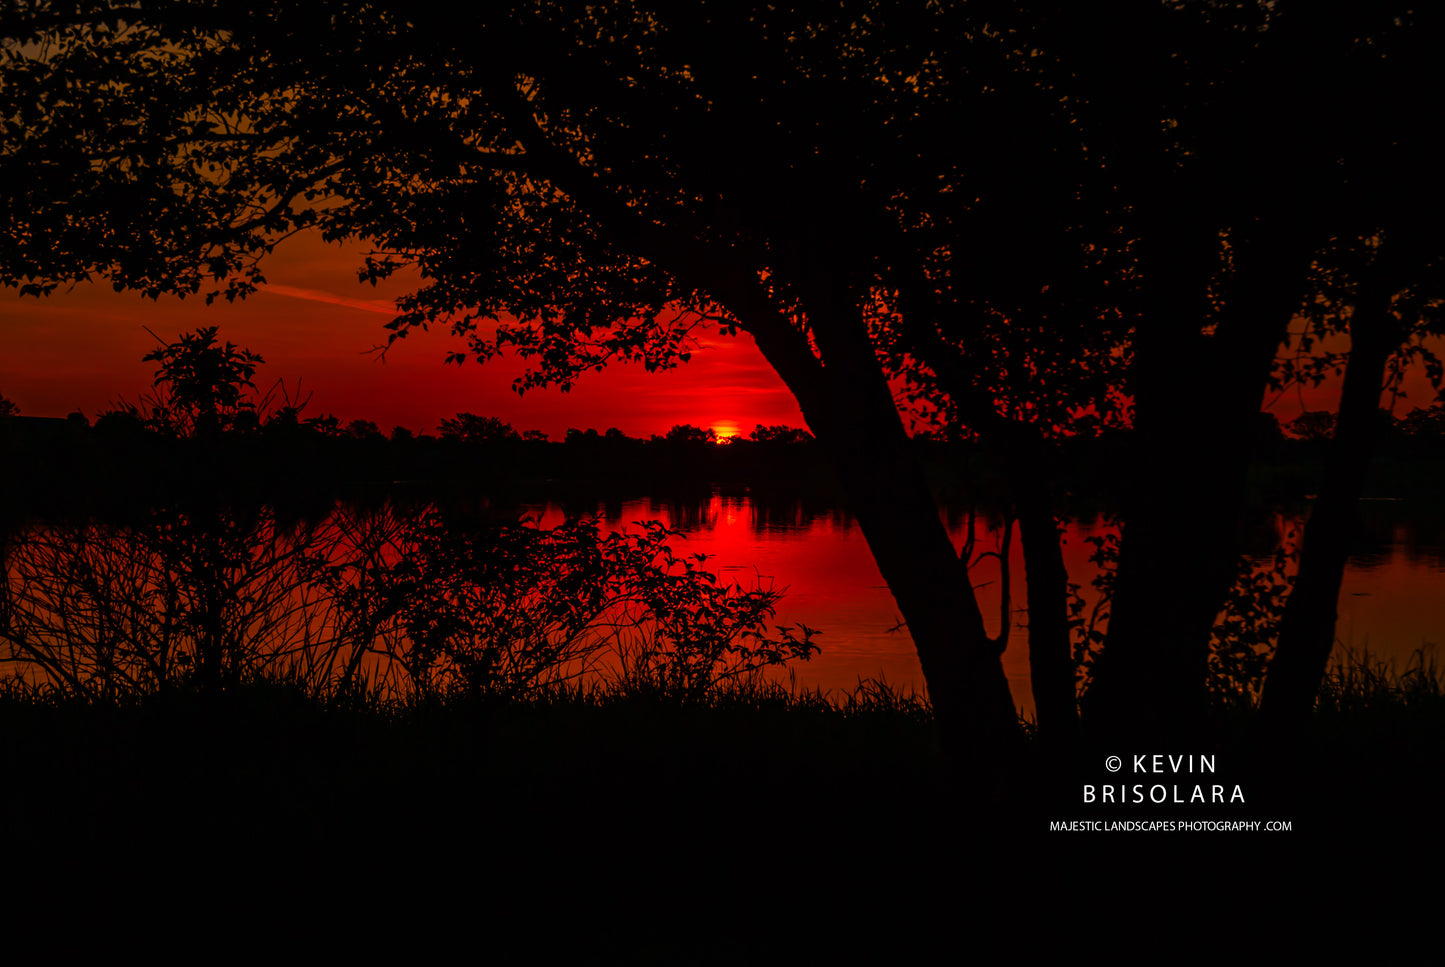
(409, 604)
(502, 611)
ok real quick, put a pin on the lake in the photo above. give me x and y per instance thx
(93, 587)
(1392, 602)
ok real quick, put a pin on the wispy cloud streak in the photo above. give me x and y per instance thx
(380, 306)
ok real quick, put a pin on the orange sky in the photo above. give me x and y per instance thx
(314, 322)
(82, 350)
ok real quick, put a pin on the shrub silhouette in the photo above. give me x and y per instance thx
(503, 611)
(408, 603)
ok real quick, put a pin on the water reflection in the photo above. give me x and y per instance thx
(809, 547)
(1391, 602)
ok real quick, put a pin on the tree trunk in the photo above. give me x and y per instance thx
(1024, 454)
(1307, 630)
(1198, 396)
(931, 586)
(1176, 564)
(850, 409)
(838, 381)
(1051, 659)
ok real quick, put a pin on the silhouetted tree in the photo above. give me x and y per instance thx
(1425, 424)
(363, 430)
(687, 435)
(596, 180)
(472, 429)
(327, 425)
(1314, 426)
(1388, 304)
(587, 437)
(782, 435)
(201, 384)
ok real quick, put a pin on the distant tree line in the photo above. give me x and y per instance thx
(251, 441)
(187, 437)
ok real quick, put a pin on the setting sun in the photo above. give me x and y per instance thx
(726, 430)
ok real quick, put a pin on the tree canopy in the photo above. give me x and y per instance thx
(1040, 218)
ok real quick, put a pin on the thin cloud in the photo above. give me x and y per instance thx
(380, 306)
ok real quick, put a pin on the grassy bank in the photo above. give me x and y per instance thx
(620, 821)
(270, 755)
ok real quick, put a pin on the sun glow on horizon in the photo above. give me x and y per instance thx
(726, 430)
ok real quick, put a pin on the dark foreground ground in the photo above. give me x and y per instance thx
(640, 831)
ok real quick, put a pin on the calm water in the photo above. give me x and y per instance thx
(1393, 600)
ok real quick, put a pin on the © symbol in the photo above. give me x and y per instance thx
(1113, 764)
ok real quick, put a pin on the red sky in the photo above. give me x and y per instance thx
(315, 323)
(82, 350)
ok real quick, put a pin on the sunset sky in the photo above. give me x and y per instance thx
(315, 323)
